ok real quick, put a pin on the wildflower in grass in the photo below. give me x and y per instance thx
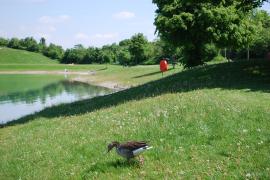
(245, 130)
(165, 114)
(248, 175)
(158, 113)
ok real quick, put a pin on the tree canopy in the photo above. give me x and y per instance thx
(193, 24)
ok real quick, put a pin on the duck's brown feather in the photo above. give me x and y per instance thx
(133, 145)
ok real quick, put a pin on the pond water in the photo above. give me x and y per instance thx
(21, 95)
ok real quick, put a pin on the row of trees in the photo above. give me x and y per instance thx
(193, 46)
(30, 44)
(136, 50)
(133, 51)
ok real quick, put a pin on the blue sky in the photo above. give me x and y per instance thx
(87, 22)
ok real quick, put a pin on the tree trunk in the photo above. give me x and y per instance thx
(194, 55)
(248, 53)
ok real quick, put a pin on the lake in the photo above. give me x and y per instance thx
(21, 95)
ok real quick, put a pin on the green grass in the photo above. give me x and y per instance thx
(206, 122)
(12, 60)
(114, 73)
(14, 56)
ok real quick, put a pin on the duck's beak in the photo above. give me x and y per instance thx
(109, 148)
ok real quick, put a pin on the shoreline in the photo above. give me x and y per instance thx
(107, 84)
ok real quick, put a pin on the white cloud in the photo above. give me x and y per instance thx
(106, 36)
(3, 34)
(81, 36)
(53, 19)
(98, 39)
(45, 28)
(44, 35)
(124, 15)
(51, 28)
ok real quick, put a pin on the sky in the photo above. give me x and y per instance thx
(87, 22)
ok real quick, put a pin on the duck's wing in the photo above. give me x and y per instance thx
(133, 145)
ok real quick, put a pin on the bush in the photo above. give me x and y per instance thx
(3, 42)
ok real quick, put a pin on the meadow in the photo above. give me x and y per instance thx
(209, 121)
(98, 73)
(14, 56)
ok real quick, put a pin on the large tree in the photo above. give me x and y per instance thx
(193, 24)
(137, 48)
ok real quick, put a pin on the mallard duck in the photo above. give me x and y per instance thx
(129, 149)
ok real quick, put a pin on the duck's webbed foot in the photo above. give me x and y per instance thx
(141, 160)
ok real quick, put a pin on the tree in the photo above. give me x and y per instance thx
(75, 55)
(14, 43)
(53, 51)
(137, 48)
(193, 24)
(42, 45)
(90, 55)
(30, 44)
(109, 53)
(124, 57)
(258, 41)
(3, 42)
(42, 41)
(261, 43)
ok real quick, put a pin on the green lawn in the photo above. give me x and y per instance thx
(14, 56)
(20, 61)
(206, 122)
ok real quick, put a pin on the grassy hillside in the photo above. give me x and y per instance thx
(14, 56)
(211, 121)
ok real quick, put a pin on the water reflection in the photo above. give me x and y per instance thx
(16, 105)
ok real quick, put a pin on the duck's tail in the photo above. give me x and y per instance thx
(140, 150)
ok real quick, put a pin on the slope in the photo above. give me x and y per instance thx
(210, 121)
(14, 56)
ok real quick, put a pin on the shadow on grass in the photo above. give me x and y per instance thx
(251, 76)
(102, 69)
(150, 74)
(111, 165)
